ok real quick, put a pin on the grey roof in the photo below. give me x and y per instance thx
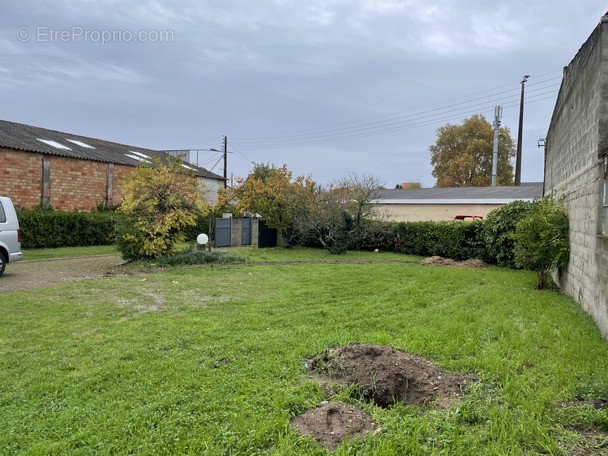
(40, 140)
(460, 195)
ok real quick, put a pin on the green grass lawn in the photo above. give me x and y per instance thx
(210, 360)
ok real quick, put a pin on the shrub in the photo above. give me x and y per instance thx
(193, 257)
(376, 235)
(499, 229)
(49, 228)
(541, 239)
(159, 202)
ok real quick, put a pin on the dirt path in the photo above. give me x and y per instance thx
(28, 275)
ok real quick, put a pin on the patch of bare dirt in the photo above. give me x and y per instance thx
(440, 261)
(331, 423)
(586, 442)
(387, 375)
(29, 275)
(598, 404)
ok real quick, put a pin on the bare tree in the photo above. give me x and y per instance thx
(340, 213)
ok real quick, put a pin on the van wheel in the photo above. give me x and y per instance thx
(2, 263)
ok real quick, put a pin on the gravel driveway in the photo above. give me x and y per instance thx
(28, 275)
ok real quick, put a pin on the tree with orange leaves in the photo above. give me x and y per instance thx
(274, 194)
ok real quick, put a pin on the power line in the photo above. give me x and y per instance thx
(240, 153)
(414, 118)
(410, 126)
(412, 122)
(392, 119)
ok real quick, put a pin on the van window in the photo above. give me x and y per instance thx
(2, 214)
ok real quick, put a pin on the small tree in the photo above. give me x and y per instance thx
(158, 203)
(276, 195)
(340, 214)
(541, 239)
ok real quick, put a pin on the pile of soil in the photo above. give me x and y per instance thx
(437, 260)
(387, 375)
(332, 422)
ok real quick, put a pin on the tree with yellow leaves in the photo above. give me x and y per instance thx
(462, 154)
(159, 201)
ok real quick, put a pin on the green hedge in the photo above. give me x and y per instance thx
(41, 229)
(48, 229)
(456, 240)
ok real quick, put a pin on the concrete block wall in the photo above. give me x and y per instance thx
(574, 167)
(236, 233)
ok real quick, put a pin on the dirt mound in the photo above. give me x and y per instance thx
(387, 375)
(437, 260)
(332, 422)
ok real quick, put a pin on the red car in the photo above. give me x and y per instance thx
(467, 217)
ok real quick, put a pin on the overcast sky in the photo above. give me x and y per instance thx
(328, 87)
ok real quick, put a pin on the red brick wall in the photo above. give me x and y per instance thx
(77, 184)
(21, 177)
(119, 172)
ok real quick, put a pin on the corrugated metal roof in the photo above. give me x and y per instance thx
(40, 140)
(460, 195)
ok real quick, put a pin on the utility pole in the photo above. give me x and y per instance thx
(497, 117)
(225, 162)
(520, 132)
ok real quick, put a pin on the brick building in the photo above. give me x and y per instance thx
(577, 164)
(71, 172)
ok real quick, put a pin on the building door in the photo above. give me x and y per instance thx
(223, 227)
(267, 237)
(246, 233)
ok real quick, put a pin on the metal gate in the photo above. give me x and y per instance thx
(267, 237)
(246, 232)
(223, 228)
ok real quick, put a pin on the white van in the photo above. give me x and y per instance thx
(10, 236)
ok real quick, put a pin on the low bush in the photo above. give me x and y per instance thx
(49, 229)
(193, 257)
(541, 239)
